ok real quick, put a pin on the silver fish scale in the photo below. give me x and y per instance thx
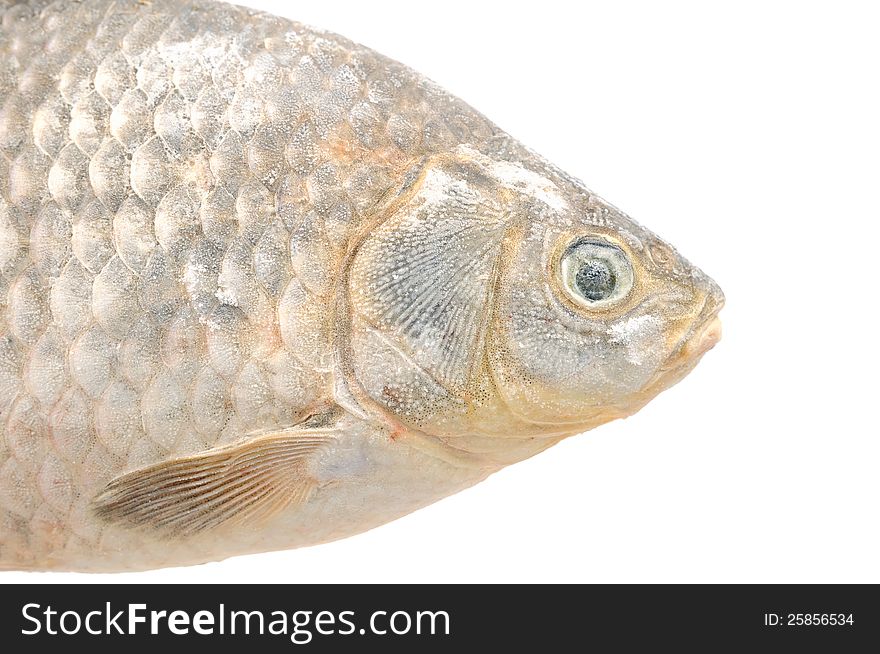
(178, 182)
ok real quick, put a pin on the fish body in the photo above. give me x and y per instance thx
(262, 287)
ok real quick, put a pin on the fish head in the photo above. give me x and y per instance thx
(500, 300)
(593, 316)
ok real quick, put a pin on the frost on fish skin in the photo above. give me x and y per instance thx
(134, 148)
(219, 227)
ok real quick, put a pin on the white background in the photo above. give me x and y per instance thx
(747, 135)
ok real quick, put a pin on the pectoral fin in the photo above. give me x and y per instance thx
(242, 483)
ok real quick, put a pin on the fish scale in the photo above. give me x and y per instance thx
(193, 194)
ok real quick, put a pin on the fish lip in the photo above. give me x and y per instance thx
(703, 334)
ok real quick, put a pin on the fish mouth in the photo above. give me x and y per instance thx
(703, 334)
(708, 337)
(702, 337)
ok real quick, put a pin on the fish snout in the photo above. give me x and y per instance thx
(706, 331)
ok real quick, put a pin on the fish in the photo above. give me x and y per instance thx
(263, 288)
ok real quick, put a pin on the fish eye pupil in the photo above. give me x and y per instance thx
(595, 279)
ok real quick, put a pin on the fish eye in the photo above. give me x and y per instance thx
(595, 274)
